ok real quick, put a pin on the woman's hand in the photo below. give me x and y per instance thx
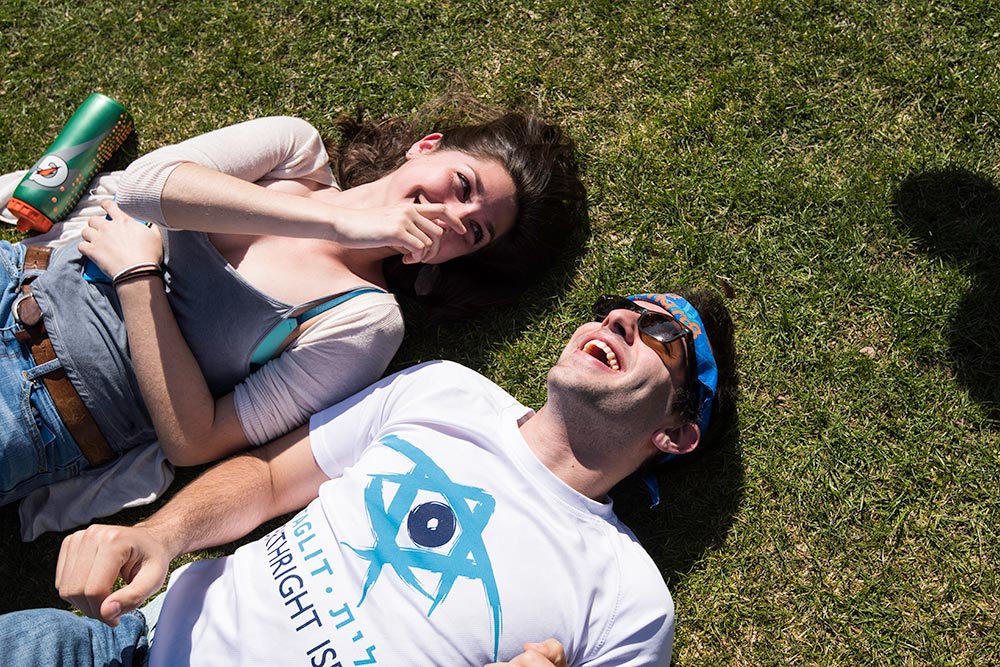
(120, 242)
(413, 230)
(549, 653)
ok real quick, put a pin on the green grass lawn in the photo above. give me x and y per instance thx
(835, 163)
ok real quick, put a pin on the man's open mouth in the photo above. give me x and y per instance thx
(602, 352)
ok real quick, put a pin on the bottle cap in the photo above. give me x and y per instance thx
(28, 217)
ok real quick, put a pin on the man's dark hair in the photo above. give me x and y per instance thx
(718, 323)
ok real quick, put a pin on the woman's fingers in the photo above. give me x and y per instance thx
(95, 222)
(418, 236)
(111, 207)
(416, 230)
(116, 240)
(440, 214)
(433, 221)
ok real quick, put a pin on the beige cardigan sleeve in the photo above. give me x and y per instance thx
(348, 349)
(279, 147)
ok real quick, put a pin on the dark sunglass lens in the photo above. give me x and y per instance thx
(663, 328)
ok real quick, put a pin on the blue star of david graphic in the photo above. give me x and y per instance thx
(430, 525)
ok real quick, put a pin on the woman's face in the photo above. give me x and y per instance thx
(478, 191)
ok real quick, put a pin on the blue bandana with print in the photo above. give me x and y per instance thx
(707, 379)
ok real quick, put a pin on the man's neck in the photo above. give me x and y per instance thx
(575, 452)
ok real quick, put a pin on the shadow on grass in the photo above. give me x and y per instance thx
(955, 215)
(699, 499)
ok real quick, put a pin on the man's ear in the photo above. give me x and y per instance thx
(679, 440)
(425, 145)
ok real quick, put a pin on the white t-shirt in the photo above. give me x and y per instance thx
(440, 540)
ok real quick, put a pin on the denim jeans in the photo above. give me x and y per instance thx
(35, 447)
(52, 637)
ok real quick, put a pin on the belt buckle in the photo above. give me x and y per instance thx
(15, 310)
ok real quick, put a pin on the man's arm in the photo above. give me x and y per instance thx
(223, 505)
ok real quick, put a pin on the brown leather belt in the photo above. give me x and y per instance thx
(67, 401)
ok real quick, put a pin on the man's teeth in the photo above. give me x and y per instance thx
(600, 350)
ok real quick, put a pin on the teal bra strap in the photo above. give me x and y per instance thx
(270, 347)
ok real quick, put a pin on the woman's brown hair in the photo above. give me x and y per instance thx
(541, 161)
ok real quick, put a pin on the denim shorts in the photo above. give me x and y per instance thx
(36, 449)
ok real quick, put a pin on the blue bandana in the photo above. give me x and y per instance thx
(707, 372)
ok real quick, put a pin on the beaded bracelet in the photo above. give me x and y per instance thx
(136, 271)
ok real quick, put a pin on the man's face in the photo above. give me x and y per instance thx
(608, 365)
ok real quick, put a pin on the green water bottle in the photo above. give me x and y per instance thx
(54, 185)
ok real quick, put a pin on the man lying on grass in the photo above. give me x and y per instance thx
(441, 523)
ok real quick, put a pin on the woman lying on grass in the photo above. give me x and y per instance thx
(258, 292)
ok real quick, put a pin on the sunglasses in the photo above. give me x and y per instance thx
(657, 330)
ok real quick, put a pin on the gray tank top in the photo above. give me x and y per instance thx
(222, 317)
